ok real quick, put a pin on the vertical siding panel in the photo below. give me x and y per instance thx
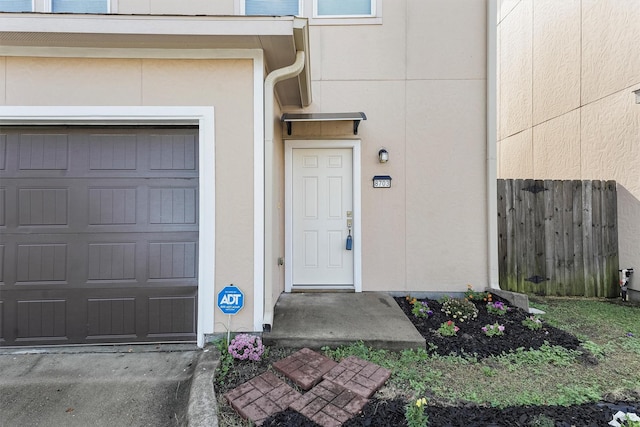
(612, 227)
(520, 234)
(502, 232)
(510, 248)
(567, 234)
(578, 261)
(549, 239)
(558, 225)
(539, 230)
(597, 236)
(587, 241)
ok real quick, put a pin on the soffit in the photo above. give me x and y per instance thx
(278, 37)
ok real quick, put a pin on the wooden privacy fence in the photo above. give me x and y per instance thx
(558, 237)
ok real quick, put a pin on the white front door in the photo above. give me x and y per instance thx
(322, 209)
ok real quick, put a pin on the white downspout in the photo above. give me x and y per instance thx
(492, 137)
(269, 258)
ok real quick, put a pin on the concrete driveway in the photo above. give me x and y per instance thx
(97, 386)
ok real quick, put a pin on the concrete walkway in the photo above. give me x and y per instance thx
(315, 320)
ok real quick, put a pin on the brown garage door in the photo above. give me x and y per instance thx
(98, 235)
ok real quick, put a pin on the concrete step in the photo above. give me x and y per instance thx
(315, 320)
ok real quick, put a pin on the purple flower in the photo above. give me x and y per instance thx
(501, 328)
(246, 347)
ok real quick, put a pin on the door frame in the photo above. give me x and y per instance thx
(354, 145)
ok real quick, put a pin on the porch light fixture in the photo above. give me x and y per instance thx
(637, 92)
(383, 156)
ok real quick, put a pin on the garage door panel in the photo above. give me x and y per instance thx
(113, 152)
(43, 152)
(170, 316)
(3, 151)
(176, 153)
(98, 236)
(42, 263)
(3, 207)
(111, 317)
(41, 320)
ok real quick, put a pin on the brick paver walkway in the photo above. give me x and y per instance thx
(304, 367)
(261, 397)
(342, 393)
(358, 375)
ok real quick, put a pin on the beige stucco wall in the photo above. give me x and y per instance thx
(421, 80)
(226, 85)
(566, 107)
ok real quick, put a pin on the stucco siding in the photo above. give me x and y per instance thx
(363, 52)
(516, 155)
(429, 25)
(446, 234)
(72, 81)
(516, 70)
(610, 40)
(556, 147)
(556, 58)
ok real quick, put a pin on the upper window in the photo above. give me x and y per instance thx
(16, 5)
(80, 6)
(272, 7)
(69, 6)
(347, 8)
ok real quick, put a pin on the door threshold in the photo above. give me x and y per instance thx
(298, 290)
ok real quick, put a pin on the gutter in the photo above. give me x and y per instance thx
(493, 281)
(272, 79)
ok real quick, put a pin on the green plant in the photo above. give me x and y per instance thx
(493, 330)
(460, 309)
(448, 329)
(359, 349)
(472, 295)
(421, 310)
(542, 421)
(488, 371)
(226, 361)
(498, 308)
(533, 322)
(415, 414)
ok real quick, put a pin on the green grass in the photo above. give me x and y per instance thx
(550, 375)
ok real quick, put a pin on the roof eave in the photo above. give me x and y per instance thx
(278, 37)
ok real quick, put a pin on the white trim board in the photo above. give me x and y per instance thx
(203, 117)
(355, 145)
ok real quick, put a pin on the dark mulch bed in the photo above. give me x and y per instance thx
(470, 340)
(386, 413)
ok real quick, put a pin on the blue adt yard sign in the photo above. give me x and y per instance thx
(230, 300)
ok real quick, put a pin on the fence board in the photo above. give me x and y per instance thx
(558, 237)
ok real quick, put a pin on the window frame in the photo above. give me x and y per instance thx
(308, 9)
(46, 6)
(33, 8)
